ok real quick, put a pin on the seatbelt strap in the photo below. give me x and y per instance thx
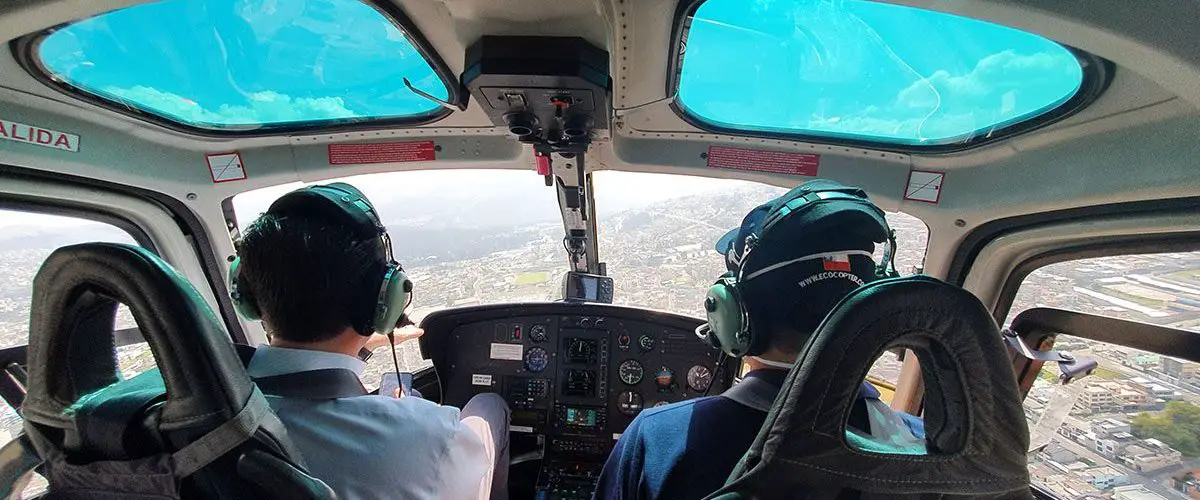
(753, 392)
(327, 383)
(223, 439)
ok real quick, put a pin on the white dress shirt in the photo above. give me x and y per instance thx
(370, 447)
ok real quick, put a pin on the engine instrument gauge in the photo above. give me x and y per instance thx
(536, 359)
(629, 403)
(646, 342)
(699, 378)
(537, 333)
(631, 372)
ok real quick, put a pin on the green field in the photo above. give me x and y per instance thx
(533, 278)
(1106, 373)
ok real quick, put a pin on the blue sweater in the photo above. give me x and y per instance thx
(687, 450)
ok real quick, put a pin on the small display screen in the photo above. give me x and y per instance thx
(580, 383)
(581, 351)
(581, 417)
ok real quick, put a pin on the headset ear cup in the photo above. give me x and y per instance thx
(243, 300)
(394, 296)
(726, 318)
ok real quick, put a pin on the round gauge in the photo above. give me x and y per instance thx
(537, 333)
(665, 378)
(646, 342)
(629, 403)
(631, 372)
(699, 378)
(661, 403)
(623, 340)
(536, 359)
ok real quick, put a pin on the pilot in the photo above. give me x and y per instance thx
(316, 268)
(787, 284)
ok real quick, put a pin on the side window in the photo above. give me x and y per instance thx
(26, 239)
(1133, 427)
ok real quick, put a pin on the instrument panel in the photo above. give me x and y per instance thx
(574, 375)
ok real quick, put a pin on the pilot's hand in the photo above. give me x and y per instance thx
(407, 332)
(402, 334)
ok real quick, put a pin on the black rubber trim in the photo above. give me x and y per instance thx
(189, 225)
(1142, 336)
(72, 209)
(12, 390)
(1105, 247)
(980, 237)
(1097, 75)
(23, 49)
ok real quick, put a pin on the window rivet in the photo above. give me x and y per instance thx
(960, 223)
(191, 196)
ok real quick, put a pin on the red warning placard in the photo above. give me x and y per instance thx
(776, 162)
(381, 152)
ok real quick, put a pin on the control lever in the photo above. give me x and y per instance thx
(1071, 367)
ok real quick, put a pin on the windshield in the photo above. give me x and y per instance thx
(658, 234)
(246, 64)
(863, 70)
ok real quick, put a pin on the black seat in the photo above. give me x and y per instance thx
(195, 427)
(976, 436)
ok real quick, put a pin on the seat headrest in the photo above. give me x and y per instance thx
(975, 426)
(72, 352)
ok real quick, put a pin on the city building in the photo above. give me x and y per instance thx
(1096, 398)
(1104, 478)
(1150, 455)
(1180, 370)
(1109, 427)
(1135, 492)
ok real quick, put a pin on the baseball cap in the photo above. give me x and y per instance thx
(822, 219)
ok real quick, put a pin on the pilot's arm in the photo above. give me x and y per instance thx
(622, 476)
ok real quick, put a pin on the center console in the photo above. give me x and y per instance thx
(574, 375)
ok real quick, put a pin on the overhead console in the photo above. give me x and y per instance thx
(575, 375)
(549, 91)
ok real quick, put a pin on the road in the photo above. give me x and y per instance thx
(1151, 483)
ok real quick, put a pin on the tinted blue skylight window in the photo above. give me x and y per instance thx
(861, 70)
(246, 64)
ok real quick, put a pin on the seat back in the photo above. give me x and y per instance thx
(976, 435)
(185, 429)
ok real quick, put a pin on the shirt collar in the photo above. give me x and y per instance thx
(269, 361)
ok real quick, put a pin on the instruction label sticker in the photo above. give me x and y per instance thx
(226, 167)
(477, 379)
(775, 162)
(521, 428)
(381, 152)
(511, 352)
(38, 136)
(924, 186)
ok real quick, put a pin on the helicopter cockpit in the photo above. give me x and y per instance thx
(554, 175)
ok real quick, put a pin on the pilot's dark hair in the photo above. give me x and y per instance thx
(306, 275)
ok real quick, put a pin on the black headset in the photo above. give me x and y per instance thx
(729, 326)
(344, 202)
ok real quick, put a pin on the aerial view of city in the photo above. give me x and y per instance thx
(1129, 431)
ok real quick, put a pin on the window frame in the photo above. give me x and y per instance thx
(24, 51)
(1097, 75)
(189, 226)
